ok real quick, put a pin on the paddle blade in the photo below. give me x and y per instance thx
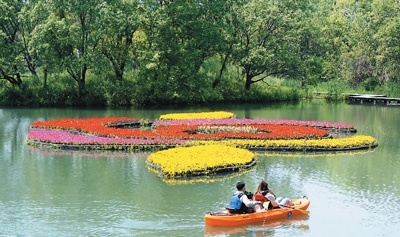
(304, 211)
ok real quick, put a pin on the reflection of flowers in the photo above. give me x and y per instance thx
(91, 154)
(200, 160)
(206, 179)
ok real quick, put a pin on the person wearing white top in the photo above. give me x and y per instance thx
(271, 197)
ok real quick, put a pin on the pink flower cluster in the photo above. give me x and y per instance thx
(60, 136)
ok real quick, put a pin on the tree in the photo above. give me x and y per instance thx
(311, 49)
(267, 39)
(180, 36)
(70, 36)
(387, 18)
(119, 20)
(11, 56)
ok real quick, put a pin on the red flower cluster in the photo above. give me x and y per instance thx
(265, 131)
(103, 127)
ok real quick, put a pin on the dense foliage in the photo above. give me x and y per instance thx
(143, 52)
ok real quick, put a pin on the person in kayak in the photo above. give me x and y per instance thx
(264, 194)
(239, 202)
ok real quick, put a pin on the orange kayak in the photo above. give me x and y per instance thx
(224, 218)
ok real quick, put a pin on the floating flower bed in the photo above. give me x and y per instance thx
(126, 134)
(200, 160)
(267, 131)
(196, 144)
(107, 128)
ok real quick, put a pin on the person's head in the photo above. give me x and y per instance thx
(263, 186)
(240, 186)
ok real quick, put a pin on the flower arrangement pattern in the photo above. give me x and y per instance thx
(193, 144)
(105, 133)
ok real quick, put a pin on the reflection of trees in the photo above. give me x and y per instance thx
(70, 177)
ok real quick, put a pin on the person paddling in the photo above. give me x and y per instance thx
(239, 202)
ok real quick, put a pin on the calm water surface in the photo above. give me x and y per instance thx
(72, 193)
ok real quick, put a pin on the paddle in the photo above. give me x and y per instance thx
(301, 210)
(266, 204)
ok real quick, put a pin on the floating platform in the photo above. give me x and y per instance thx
(367, 98)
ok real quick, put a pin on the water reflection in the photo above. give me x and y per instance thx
(74, 193)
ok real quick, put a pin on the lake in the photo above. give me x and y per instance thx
(45, 192)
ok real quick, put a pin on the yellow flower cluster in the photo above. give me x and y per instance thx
(198, 160)
(312, 144)
(202, 115)
(313, 155)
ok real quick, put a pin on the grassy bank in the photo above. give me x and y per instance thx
(60, 91)
(106, 91)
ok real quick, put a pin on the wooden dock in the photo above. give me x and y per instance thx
(366, 98)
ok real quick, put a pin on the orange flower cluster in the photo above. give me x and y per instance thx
(98, 126)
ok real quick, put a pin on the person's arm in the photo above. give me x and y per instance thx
(247, 202)
(271, 198)
(270, 191)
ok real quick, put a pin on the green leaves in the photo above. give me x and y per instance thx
(267, 38)
(166, 48)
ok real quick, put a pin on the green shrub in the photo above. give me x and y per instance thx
(370, 84)
(392, 89)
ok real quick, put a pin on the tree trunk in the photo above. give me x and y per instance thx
(45, 77)
(248, 79)
(13, 79)
(119, 70)
(30, 65)
(221, 71)
(82, 84)
(248, 83)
